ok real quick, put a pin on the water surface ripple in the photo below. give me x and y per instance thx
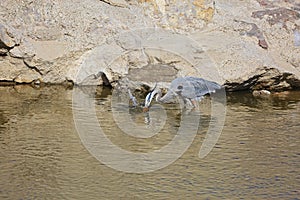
(42, 157)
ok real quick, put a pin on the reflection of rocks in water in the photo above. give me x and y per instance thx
(25, 99)
(25, 108)
(280, 100)
(3, 119)
(96, 91)
(38, 122)
(284, 100)
(241, 98)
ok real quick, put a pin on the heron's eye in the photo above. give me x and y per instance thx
(180, 87)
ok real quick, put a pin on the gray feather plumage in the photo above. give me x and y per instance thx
(196, 87)
(188, 88)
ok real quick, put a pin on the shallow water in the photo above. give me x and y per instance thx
(43, 153)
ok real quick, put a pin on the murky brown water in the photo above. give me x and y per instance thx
(42, 157)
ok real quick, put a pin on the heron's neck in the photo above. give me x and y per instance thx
(158, 95)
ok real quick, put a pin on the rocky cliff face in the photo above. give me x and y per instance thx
(242, 44)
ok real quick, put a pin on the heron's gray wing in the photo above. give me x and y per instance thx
(202, 86)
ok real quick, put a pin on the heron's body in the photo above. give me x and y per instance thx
(190, 89)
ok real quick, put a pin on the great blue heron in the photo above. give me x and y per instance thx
(190, 89)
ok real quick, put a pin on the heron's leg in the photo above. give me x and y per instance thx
(195, 103)
(188, 105)
(181, 101)
(188, 102)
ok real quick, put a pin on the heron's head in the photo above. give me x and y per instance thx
(149, 99)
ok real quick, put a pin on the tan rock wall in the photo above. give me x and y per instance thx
(231, 42)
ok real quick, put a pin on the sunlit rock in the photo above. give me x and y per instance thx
(244, 45)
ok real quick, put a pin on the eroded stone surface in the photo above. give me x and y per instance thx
(242, 44)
